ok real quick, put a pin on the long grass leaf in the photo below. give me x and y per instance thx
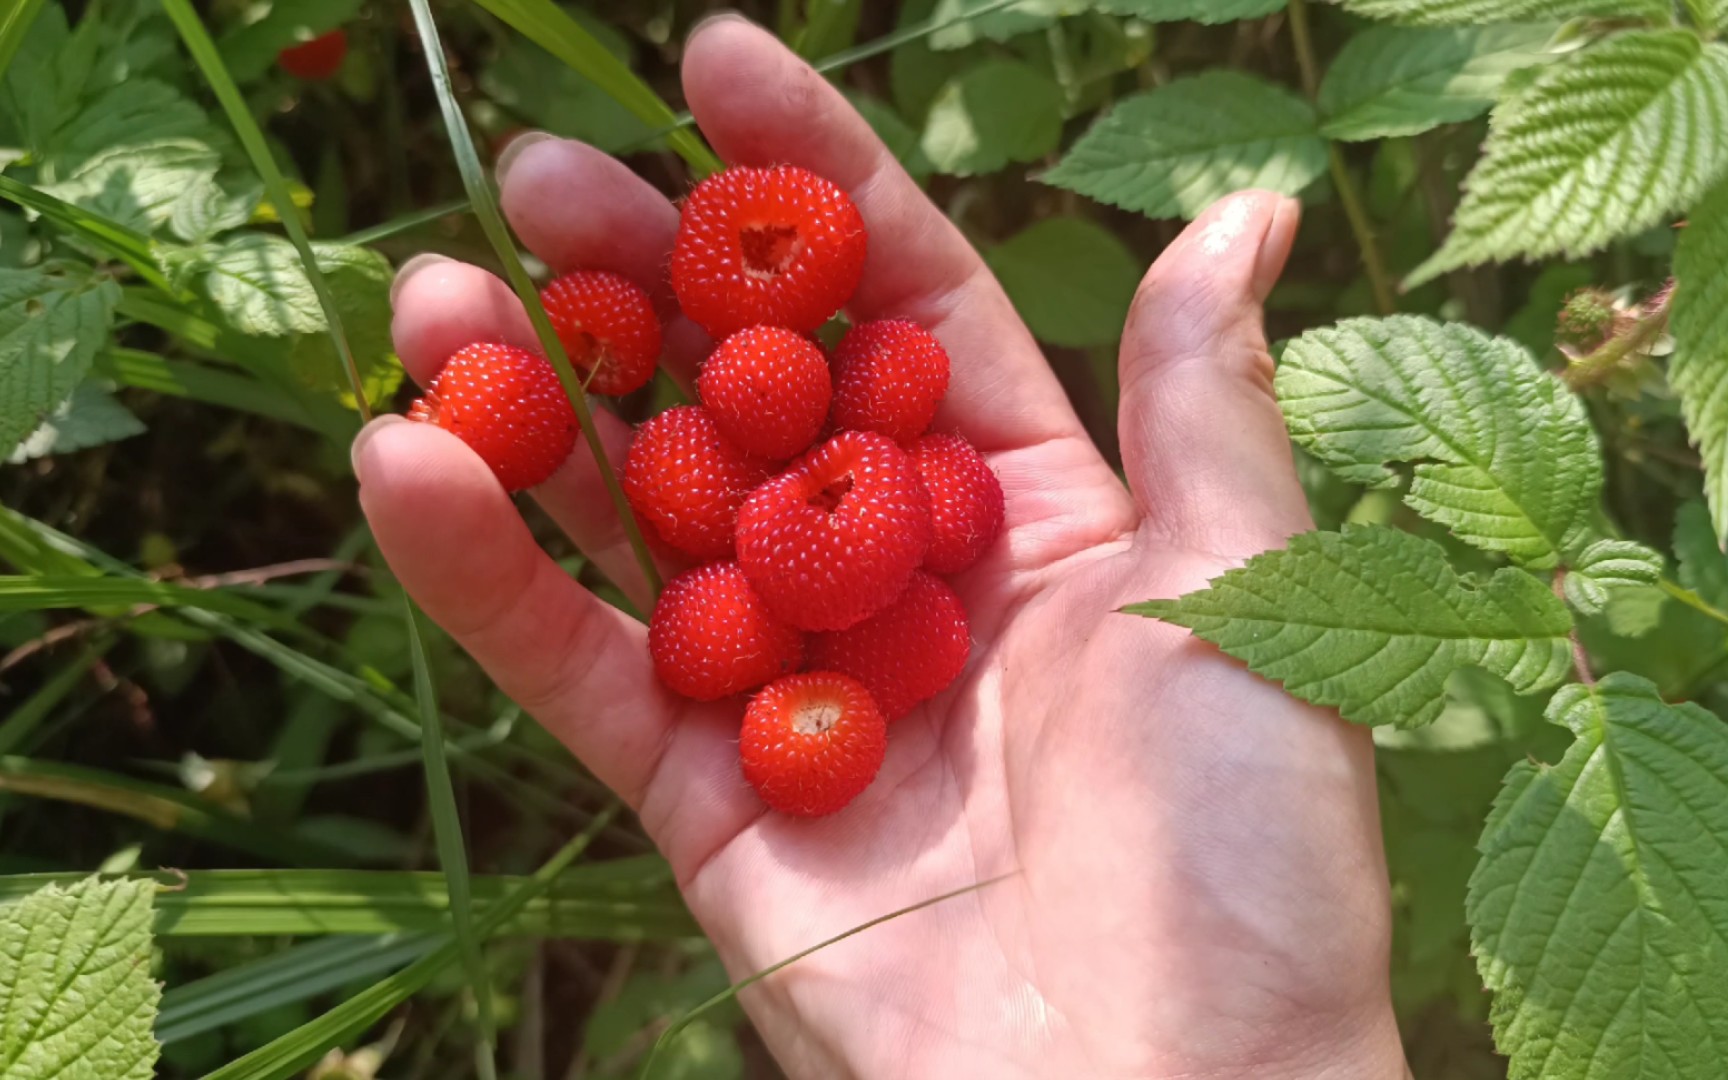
(200, 382)
(14, 24)
(39, 593)
(406, 223)
(22, 721)
(485, 203)
(129, 246)
(287, 1054)
(541, 22)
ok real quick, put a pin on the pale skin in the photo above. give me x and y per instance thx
(1195, 885)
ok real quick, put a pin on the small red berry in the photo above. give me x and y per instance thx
(768, 389)
(779, 245)
(711, 636)
(812, 743)
(908, 652)
(965, 501)
(316, 59)
(889, 376)
(834, 538)
(508, 405)
(608, 326)
(688, 481)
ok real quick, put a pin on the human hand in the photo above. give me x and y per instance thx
(1196, 886)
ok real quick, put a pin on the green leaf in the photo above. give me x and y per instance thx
(360, 281)
(896, 134)
(137, 185)
(76, 998)
(51, 324)
(1504, 455)
(1372, 620)
(131, 247)
(1598, 147)
(961, 27)
(1204, 11)
(1071, 279)
(249, 50)
(209, 207)
(1391, 80)
(1703, 566)
(1173, 151)
(258, 283)
(990, 115)
(1597, 913)
(15, 23)
(1699, 323)
(1607, 565)
(555, 97)
(1460, 12)
(90, 417)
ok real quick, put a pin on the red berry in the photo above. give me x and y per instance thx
(317, 59)
(779, 245)
(768, 389)
(608, 326)
(833, 539)
(965, 501)
(812, 743)
(906, 653)
(687, 480)
(889, 376)
(508, 405)
(711, 636)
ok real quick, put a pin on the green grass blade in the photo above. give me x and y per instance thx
(406, 223)
(130, 247)
(197, 382)
(292, 975)
(546, 26)
(629, 899)
(41, 593)
(678, 1025)
(297, 1049)
(22, 721)
(485, 203)
(209, 61)
(14, 24)
(452, 854)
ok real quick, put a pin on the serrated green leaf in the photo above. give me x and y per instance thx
(1173, 151)
(997, 112)
(1607, 565)
(249, 50)
(90, 417)
(896, 134)
(76, 998)
(1699, 323)
(1505, 456)
(208, 207)
(1461, 12)
(1703, 566)
(959, 28)
(1597, 913)
(1596, 148)
(257, 282)
(1203, 11)
(1071, 279)
(1394, 80)
(1372, 620)
(360, 280)
(51, 324)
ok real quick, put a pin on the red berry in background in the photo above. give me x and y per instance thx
(317, 59)
(608, 326)
(711, 636)
(768, 389)
(906, 653)
(507, 404)
(812, 743)
(687, 481)
(833, 539)
(965, 501)
(778, 245)
(889, 376)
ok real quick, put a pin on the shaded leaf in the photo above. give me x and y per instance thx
(990, 115)
(249, 50)
(1460, 12)
(1205, 11)
(51, 325)
(1699, 323)
(1608, 565)
(90, 417)
(1071, 279)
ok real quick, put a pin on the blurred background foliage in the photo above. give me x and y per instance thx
(222, 679)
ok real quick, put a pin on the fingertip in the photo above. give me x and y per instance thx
(423, 261)
(444, 305)
(712, 19)
(357, 451)
(513, 151)
(1275, 247)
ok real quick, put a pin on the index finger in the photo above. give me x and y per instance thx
(759, 104)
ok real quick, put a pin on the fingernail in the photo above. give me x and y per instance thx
(366, 434)
(410, 268)
(1275, 246)
(513, 149)
(711, 19)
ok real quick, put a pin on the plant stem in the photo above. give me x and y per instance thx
(1379, 278)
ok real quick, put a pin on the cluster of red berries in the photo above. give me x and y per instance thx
(804, 487)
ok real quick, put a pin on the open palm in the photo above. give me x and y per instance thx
(1195, 885)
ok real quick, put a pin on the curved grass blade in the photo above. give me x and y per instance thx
(14, 24)
(397, 225)
(129, 246)
(551, 29)
(299, 1048)
(732, 991)
(485, 202)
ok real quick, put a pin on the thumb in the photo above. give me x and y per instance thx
(1203, 443)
